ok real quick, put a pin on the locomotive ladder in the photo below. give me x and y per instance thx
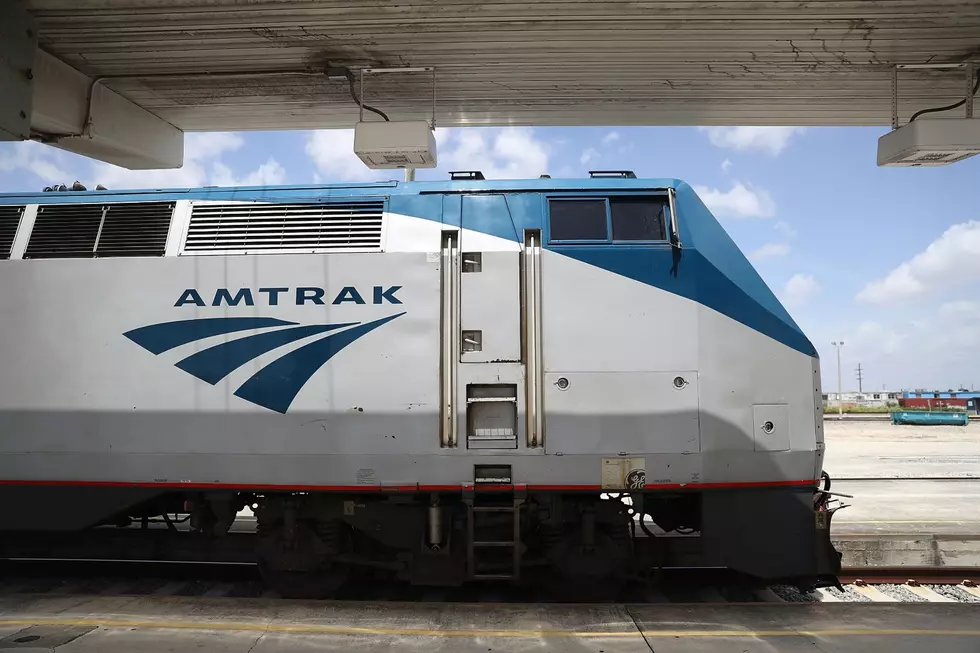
(481, 564)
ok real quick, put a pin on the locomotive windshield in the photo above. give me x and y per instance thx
(608, 220)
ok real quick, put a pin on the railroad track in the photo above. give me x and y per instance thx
(129, 578)
(966, 576)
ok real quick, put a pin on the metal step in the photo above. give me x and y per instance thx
(473, 559)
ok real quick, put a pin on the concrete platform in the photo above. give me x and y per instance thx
(909, 523)
(883, 450)
(156, 624)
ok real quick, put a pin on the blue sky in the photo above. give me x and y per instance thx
(887, 260)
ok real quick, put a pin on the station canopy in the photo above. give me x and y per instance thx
(205, 65)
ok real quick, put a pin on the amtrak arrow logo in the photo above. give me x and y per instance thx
(275, 385)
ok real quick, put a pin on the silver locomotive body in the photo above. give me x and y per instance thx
(448, 380)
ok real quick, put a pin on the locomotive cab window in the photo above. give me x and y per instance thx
(626, 219)
(579, 220)
(638, 218)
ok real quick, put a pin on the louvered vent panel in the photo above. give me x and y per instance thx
(135, 229)
(65, 231)
(9, 219)
(272, 227)
(100, 230)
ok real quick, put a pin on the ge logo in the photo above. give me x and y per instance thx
(636, 479)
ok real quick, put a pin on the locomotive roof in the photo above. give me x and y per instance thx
(366, 189)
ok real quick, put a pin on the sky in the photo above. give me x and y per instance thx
(886, 260)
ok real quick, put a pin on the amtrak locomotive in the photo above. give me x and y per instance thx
(447, 381)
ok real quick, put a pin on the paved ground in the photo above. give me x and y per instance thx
(910, 506)
(909, 522)
(156, 624)
(883, 450)
(916, 493)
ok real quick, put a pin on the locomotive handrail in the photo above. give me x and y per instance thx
(449, 337)
(675, 239)
(532, 335)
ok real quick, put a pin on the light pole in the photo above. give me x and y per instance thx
(840, 392)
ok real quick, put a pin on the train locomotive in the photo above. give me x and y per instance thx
(448, 381)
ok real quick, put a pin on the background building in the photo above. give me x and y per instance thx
(966, 399)
(864, 399)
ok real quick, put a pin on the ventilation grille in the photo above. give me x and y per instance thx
(9, 219)
(332, 227)
(135, 229)
(100, 230)
(65, 231)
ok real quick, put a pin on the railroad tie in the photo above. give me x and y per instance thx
(824, 596)
(975, 591)
(873, 593)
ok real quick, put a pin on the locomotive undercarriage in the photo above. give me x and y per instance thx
(309, 544)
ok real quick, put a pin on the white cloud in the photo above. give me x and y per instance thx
(511, 153)
(875, 338)
(192, 174)
(799, 289)
(925, 361)
(770, 250)
(611, 137)
(442, 136)
(772, 140)
(726, 165)
(952, 258)
(740, 201)
(785, 229)
(202, 167)
(332, 151)
(591, 154)
(963, 309)
(269, 173)
(203, 146)
(41, 160)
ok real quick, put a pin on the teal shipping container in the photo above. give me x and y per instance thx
(925, 417)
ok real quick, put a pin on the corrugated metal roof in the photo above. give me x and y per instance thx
(569, 62)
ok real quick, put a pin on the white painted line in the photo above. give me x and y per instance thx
(822, 595)
(875, 595)
(929, 594)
